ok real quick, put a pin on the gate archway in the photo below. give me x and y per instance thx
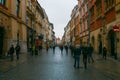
(99, 44)
(111, 42)
(1, 39)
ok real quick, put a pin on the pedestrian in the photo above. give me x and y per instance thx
(66, 48)
(100, 48)
(77, 52)
(33, 50)
(11, 52)
(17, 48)
(85, 55)
(90, 53)
(104, 52)
(40, 47)
(47, 48)
(53, 48)
(72, 50)
(30, 49)
(61, 48)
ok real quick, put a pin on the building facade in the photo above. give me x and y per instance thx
(12, 24)
(22, 22)
(103, 19)
(67, 34)
(84, 21)
(98, 23)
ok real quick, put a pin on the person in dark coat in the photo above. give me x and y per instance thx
(17, 48)
(85, 55)
(54, 49)
(104, 52)
(47, 48)
(61, 48)
(72, 50)
(66, 48)
(40, 47)
(90, 53)
(77, 52)
(100, 47)
(11, 52)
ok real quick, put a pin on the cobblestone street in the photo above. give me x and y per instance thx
(49, 66)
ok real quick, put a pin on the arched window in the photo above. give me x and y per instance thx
(93, 40)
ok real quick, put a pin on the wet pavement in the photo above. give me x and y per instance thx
(50, 66)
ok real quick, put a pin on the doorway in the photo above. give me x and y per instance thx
(111, 38)
(1, 39)
(99, 44)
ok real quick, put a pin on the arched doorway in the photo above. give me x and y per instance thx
(1, 39)
(81, 42)
(111, 42)
(93, 40)
(99, 44)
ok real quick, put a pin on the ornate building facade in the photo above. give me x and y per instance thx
(12, 24)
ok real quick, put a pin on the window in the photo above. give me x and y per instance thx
(2, 2)
(109, 4)
(26, 19)
(92, 14)
(117, 6)
(17, 7)
(98, 7)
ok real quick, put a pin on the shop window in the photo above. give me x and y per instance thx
(2, 2)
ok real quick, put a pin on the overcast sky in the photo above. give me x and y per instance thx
(58, 12)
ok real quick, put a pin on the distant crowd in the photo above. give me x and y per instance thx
(76, 51)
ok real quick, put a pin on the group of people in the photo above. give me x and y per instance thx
(86, 52)
(34, 50)
(14, 49)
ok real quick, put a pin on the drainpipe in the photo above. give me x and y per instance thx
(88, 7)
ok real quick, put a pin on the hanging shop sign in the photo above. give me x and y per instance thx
(116, 28)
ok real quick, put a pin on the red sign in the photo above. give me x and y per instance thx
(37, 42)
(116, 28)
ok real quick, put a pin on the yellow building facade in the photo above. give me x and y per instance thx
(12, 21)
(117, 8)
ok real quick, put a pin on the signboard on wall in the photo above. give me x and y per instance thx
(116, 28)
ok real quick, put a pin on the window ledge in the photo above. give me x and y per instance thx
(109, 8)
(3, 6)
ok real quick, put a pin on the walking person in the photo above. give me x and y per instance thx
(30, 49)
(77, 52)
(85, 55)
(47, 48)
(17, 48)
(104, 52)
(40, 48)
(90, 54)
(100, 48)
(33, 50)
(72, 50)
(53, 49)
(11, 52)
(66, 48)
(61, 48)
